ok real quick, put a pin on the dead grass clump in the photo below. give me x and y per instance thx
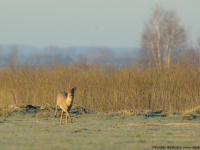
(191, 113)
(148, 112)
(159, 111)
(170, 113)
(79, 109)
(47, 108)
(130, 112)
(6, 110)
(187, 117)
(195, 110)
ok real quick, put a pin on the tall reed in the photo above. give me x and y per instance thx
(103, 88)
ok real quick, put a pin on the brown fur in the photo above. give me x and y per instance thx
(65, 101)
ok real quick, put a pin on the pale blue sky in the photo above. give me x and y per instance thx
(65, 23)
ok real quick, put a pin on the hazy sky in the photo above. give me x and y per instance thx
(65, 23)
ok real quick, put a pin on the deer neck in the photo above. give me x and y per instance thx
(70, 97)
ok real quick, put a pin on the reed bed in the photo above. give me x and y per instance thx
(104, 88)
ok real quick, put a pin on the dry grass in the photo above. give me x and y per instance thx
(104, 89)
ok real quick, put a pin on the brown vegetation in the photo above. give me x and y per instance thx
(104, 89)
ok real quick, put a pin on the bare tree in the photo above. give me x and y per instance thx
(163, 37)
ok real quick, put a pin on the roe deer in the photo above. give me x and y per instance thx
(64, 101)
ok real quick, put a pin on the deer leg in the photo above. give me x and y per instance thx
(66, 118)
(56, 110)
(61, 117)
(69, 116)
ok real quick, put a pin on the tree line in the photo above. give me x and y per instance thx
(164, 41)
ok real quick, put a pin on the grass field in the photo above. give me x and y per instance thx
(41, 130)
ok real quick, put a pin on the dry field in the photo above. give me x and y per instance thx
(37, 128)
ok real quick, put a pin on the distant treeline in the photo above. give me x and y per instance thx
(83, 55)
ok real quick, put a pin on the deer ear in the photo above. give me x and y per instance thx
(69, 87)
(75, 88)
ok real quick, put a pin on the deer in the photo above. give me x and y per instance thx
(65, 101)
